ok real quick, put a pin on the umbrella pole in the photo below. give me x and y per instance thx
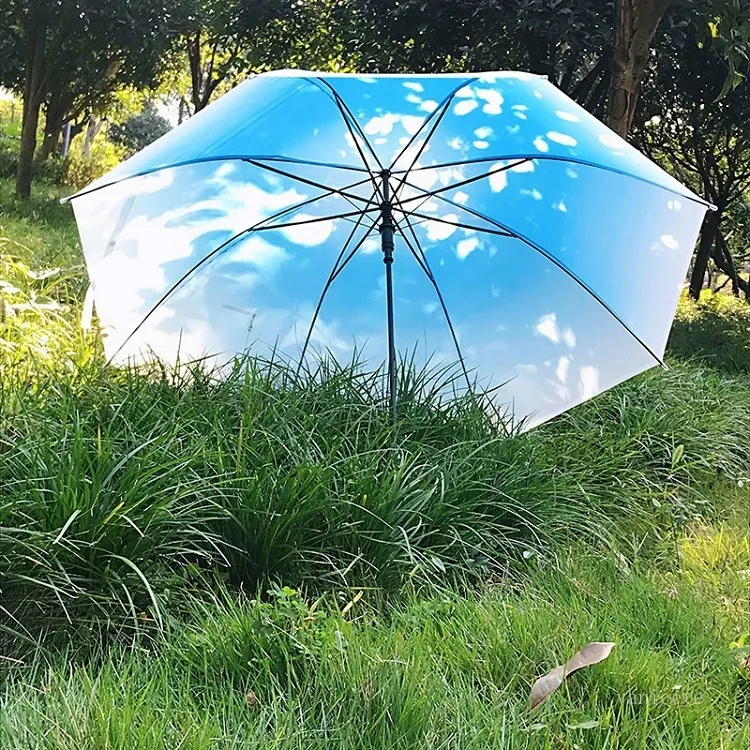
(386, 242)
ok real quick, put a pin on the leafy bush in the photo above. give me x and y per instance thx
(103, 157)
(118, 483)
(8, 158)
(140, 130)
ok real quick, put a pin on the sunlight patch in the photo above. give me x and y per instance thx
(466, 247)
(562, 138)
(464, 107)
(547, 327)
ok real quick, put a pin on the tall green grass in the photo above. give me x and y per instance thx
(715, 330)
(123, 490)
(122, 487)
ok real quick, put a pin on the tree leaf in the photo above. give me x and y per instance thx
(591, 653)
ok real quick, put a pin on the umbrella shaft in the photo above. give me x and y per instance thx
(387, 244)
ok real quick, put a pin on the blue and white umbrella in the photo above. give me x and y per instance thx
(522, 239)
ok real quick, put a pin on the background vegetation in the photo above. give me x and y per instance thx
(668, 73)
(265, 560)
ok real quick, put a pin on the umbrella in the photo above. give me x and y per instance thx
(480, 219)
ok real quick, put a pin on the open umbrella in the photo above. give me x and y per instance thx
(522, 239)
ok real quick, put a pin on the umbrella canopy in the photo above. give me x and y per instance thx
(522, 239)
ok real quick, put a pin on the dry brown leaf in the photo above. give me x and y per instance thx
(590, 654)
(347, 608)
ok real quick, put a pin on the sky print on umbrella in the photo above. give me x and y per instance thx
(532, 244)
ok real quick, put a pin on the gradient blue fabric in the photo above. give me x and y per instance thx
(555, 250)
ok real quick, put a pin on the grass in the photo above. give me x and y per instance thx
(716, 331)
(151, 522)
(116, 482)
(438, 670)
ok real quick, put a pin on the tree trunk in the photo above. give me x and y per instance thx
(722, 257)
(33, 96)
(92, 130)
(582, 92)
(196, 72)
(700, 264)
(66, 139)
(202, 80)
(635, 25)
(53, 125)
(538, 54)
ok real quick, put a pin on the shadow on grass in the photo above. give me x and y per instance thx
(715, 330)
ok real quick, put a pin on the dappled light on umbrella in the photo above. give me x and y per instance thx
(495, 201)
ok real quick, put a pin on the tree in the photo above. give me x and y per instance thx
(29, 24)
(725, 22)
(223, 40)
(567, 40)
(78, 51)
(212, 42)
(703, 139)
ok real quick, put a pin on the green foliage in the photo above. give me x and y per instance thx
(715, 330)
(727, 25)
(10, 117)
(83, 170)
(8, 159)
(51, 172)
(139, 130)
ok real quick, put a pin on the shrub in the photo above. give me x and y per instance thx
(140, 130)
(103, 157)
(8, 158)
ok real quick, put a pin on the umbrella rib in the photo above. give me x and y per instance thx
(316, 219)
(424, 264)
(442, 106)
(348, 196)
(564, 160)
(421, 148)
(351, 125)
(208, 160)
(463, 183)
(335, 271)
(538, 248)
(458, 224)
(213, 254)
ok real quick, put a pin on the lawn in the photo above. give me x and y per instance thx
(266, 561)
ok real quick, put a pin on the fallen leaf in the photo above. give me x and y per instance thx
(590, 654)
